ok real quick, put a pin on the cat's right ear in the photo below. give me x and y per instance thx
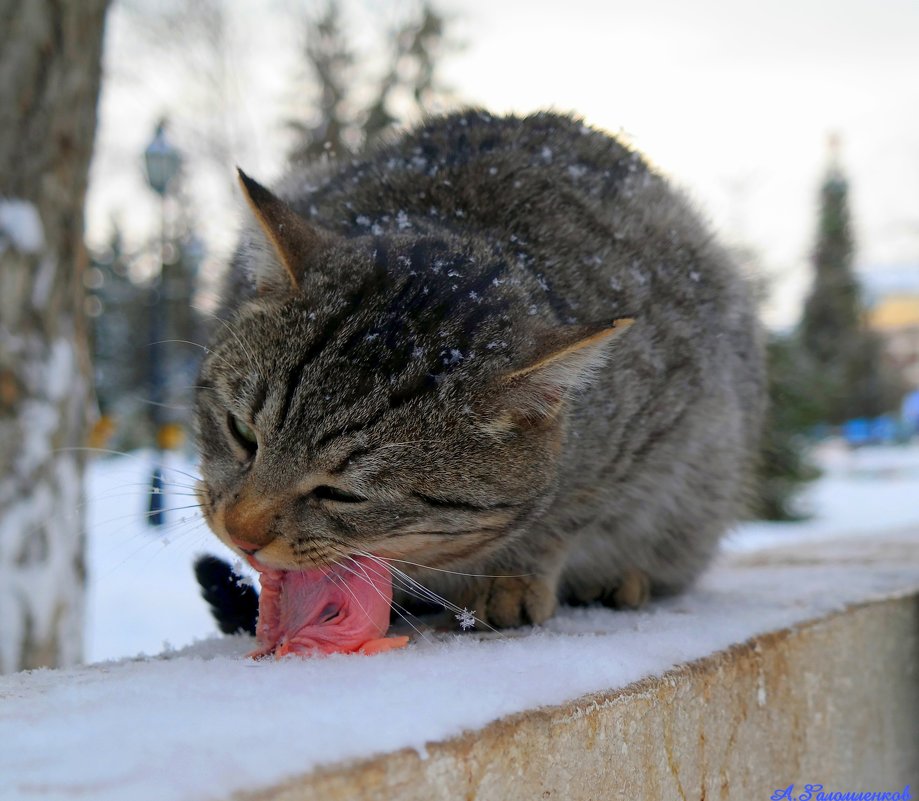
(562, 362)
(294, 241)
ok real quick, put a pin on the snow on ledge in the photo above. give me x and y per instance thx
(205, 722)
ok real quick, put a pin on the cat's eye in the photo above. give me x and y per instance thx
(326, 493)
(243, 432)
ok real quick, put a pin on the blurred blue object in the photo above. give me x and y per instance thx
(910, 411)
(156, 514)
(857, 432)
(883, 430)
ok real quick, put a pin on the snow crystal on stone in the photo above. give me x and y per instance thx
(466, 619)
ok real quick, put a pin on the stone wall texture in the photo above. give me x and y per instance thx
(833, 702)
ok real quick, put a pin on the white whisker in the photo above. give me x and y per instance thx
(400, 610)
(411, 585)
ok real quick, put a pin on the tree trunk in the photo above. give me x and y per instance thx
(50, 65)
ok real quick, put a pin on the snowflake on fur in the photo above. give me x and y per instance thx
(466, 619)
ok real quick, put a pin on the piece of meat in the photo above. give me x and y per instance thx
(339, 609)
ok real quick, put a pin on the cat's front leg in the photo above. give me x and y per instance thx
(518, 601)
(513, 600)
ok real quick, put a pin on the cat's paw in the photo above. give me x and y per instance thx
(506, 602)
(632, 593)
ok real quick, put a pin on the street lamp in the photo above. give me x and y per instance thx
(162, 162)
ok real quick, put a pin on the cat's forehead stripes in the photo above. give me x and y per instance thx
(398, 332)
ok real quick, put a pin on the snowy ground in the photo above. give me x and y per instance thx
(143, 597)
(862, 492)
(204, 722)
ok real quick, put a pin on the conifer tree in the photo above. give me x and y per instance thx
(329, 58)
(846, 366)
(832, 315)
(784, 467)
(337, 122)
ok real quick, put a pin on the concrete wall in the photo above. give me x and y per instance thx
(834, 702)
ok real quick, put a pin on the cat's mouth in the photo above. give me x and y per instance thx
(281, 558)
(342, 608)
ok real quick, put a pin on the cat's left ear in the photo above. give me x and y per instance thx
(564, 362)
(295, 241)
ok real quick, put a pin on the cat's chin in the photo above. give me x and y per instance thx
(258, 562)
(262, 562)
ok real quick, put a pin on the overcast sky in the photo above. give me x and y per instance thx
(734, 100)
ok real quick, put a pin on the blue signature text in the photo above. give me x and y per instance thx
(815, 792)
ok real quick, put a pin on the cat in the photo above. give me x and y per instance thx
(500, 352)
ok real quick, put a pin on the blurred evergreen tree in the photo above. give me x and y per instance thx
(120, 309)
(832, 312)
(848, 373)
(339, 123)
(113, 305)
(784, 467)
(330, 60)
(184, 329)
(829, 371)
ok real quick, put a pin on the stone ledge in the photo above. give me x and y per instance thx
(834, 701)
(778, 668)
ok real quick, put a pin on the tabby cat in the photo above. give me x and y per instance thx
(500, 350)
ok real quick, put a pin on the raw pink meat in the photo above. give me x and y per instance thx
(338, 609)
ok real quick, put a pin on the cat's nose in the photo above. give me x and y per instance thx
(248, 543)
(249, 524)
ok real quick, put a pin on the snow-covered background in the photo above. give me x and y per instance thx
(143, 597)
(204, 721)
(142, 593)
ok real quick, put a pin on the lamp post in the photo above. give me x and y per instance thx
(162, 162)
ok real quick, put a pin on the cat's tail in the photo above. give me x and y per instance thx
(234, 604)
